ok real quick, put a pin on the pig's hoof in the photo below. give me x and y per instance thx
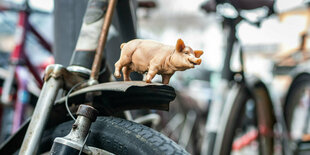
(117, 75)
(148, 81)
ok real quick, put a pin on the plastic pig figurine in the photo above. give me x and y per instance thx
(155, 58)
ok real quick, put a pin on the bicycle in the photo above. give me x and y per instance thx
(242, 112)
(109, 135)
(17, 81)
(296, 99)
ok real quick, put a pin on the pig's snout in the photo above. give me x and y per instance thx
(198, 61)
(195, 61)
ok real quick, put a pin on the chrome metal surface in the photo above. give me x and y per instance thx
(40, 116)
(79, 69)
(73, 144)
(78, 133)
(102, 40)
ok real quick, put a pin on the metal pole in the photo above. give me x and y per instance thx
(40, 116)
(102, 40)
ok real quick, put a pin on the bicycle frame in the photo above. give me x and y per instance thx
(58, 77)
(216, 108)
(227, 94)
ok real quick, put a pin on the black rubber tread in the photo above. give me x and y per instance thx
(232, 123)
(265, 112)
(119, 136)
(292, 96)
(235, 115)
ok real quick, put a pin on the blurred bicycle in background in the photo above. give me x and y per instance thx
(261, 124)
(23, 76)
(295, 65)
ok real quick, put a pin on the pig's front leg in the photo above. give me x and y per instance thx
(166, 78)
(151, 73)
(124, 60)
(126, 73)
(118, 68)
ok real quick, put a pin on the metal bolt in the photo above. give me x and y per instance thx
(74, 126)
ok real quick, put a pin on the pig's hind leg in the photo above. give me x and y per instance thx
(124, 60)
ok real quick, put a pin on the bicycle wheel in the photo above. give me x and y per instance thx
(118, 136)
(249, 123)
(297, 107)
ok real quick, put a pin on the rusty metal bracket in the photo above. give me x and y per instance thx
(58, 71)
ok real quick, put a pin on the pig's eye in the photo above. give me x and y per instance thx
(186, 52)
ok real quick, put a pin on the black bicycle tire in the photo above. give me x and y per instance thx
(290, 103)
(235, 114)
(118, 136)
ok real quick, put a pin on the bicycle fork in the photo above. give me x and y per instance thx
(43, 108)
(214, 118)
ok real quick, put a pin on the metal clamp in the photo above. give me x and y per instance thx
(58, 71)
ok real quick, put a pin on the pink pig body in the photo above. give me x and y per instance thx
(155, 58)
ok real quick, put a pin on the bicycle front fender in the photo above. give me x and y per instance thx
(112, 97)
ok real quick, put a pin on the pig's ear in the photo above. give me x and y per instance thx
(198, 53)
(180, 45)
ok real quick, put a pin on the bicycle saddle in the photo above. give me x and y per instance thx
(113, 97)
(251, 4)
(210, 6)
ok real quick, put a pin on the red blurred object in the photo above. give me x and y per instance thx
(245, 140)
(47, 62)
